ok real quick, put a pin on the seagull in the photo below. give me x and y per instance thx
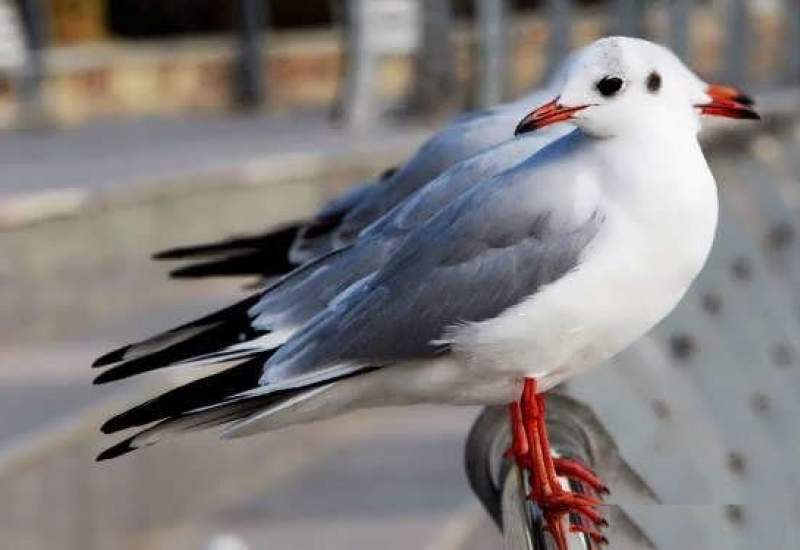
(277, 252)
(339, 222)
(268, 319)
(509, 285)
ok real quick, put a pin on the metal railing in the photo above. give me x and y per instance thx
(742, 29)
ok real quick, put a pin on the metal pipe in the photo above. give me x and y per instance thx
(560, 42)
(736, 40)
(34, 17)
(492, 33)
(679, 21)
(249, 74)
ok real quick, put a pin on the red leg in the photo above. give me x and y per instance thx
(519, 441)
(531, 449)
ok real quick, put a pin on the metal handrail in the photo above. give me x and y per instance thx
(502, 490)
(500, 485)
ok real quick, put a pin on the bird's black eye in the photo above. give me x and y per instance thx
(609, 85)
(653, 82)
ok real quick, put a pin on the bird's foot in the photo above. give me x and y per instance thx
(530, 449)
(576, 470)
(597, 537)
(580, 509)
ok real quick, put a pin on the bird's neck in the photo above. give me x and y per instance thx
(663, 175)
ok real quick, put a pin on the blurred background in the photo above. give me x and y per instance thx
(130, 126)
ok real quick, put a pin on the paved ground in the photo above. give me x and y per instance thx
(398, 486)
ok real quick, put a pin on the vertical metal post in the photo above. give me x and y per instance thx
(34, 17)
(560, 16)
(736, 43)
(792, 53)
(492, 43)
(435, 67)
(249, 73)
(357, 100)
(679, 21)
(630, 17)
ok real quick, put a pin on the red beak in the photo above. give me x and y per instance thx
(547, 114)
(728, 102)
(719, 91)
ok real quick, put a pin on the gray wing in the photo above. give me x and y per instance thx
(316, 237)
(457, 142)
(465, 137)
(310, 289)
(483, 254)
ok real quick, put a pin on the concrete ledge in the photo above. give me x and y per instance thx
(340, 155)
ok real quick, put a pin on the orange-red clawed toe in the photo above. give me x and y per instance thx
(530, 448)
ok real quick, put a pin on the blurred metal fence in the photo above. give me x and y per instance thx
(630, 17)
(432, 27)
(424, 30)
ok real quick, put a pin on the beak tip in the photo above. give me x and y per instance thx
(745, 99)
(752, 115)
(521, 129)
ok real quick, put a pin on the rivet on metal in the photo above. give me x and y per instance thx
(781, 235)
(760, 402)
(737, 463)
(735, 514)
(742, 269)
(683, 346)
(661, 409)
(782, 355)
(712, 303)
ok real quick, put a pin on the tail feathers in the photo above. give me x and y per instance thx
(263, 255)
(177, 417)
(205, 418)
(264, 263)
(280, 238)
(170, 337)
(205, 336)
(194, 395)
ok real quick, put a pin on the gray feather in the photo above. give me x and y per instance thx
(311, 288)
(486, 252)
(457, 142)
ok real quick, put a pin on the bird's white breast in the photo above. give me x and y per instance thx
(660, 219)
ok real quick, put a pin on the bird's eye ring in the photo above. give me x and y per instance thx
(609, 85)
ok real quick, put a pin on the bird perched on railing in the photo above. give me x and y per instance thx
(498, 280)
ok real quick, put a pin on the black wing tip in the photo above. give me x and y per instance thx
(197, 271)
(111, 357)
(115, 424)
(258, 263)
(109, 376)
(171, 254)
(122, 448)
(280, 236)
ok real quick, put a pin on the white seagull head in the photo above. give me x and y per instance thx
(619, 85)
